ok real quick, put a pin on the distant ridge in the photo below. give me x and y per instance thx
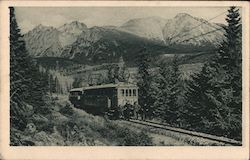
(75, 40)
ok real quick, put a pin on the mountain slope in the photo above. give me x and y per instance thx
(183, 26)
(150, 28)
(43, 41)
(98, 45)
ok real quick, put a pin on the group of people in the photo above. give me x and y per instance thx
(129, 111)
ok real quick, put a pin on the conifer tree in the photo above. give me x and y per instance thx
(75, 84)
(19, 61)
(52, 84)
(169, 90)
(228, 78)
(214, 95)
(112, 73)
(163, 90)
(144, 83)
(27, 85)
(116, 73)
(19, 79)
(174, 84)
(197, 105)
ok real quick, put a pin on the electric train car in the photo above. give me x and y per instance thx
(103, 98)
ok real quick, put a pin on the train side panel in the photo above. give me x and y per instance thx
(99, 101)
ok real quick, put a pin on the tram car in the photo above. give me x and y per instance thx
(105, 98)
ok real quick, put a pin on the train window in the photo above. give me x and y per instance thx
(122, 92)
(126, 92)
(75, 93)
(134, 92)
(130, 92)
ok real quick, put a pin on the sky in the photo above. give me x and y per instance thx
(29, 17)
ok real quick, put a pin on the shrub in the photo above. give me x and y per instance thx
(124, 136)
(67, 110)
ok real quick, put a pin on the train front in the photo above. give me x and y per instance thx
(75, 96)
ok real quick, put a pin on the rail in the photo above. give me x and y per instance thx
(192, 133)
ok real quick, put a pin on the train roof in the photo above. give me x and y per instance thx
(76, 89)
(105, 86)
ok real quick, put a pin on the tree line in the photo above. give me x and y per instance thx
(211, 101)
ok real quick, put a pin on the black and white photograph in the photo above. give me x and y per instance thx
(125, 76)
(128, 80)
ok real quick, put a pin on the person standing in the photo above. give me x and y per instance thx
(131, 110)
(137, 108)
(126, 111)
(120, 111)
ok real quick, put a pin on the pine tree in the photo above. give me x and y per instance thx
(112, 73)
(38, 87)
(169, 90)
(19, 80)
(75, 84)
(162, 103)
(19, 61)
(214, 96)
(52, 84)
(197, 104)
(174, 84)
(229, 77)
(145, 83)
(27, 85)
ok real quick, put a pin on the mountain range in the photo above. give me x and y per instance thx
(94, 45)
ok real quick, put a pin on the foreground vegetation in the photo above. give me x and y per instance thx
(68, 126)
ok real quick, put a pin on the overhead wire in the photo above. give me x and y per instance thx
(201, 35)
(204, 22)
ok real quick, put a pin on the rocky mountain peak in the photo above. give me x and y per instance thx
(73, 27)
(42, 27)
(78, 24)
(183, 15)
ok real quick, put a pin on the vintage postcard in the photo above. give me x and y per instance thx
(124, 80)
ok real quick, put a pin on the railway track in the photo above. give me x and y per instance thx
(187, 132)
